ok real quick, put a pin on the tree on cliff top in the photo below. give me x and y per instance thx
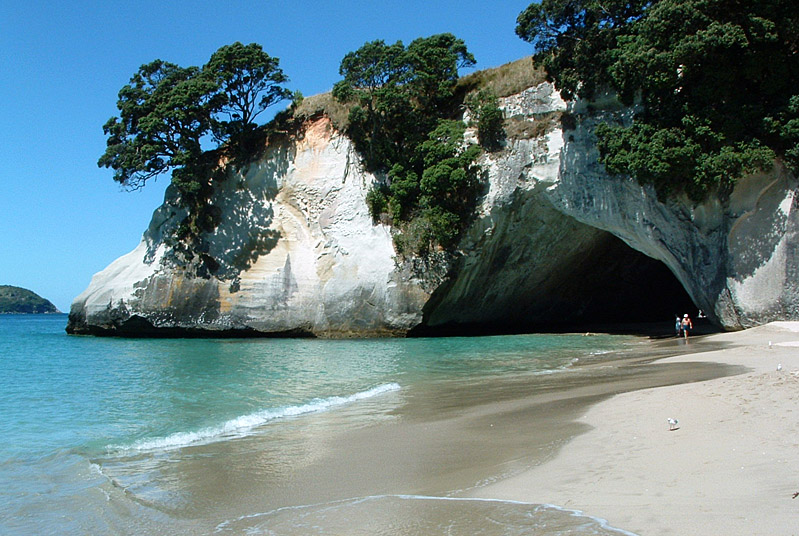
(402, 99)
(715, 78)
(575, 39)
(399, 93)
(167, 113)
(248, 81)
(164, 112)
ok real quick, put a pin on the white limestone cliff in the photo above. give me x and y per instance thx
(298, 253)
(735, 254)
(320, 265)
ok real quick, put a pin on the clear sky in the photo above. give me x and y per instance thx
(62, 63)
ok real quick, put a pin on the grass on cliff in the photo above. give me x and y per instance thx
(429, 204)
(324, 103)
(503, 81)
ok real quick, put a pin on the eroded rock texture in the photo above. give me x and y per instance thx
(556, 242)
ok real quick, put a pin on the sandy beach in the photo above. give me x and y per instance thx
(471, 451)
(730, 467)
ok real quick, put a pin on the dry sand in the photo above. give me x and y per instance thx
(730, 468)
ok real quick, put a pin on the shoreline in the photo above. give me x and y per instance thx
(729, 468)
(438, 439)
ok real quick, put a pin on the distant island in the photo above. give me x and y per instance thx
(16, 300)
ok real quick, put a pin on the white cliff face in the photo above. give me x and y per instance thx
(762, 272)
(736, 258)
(518, 246)
(298, 253)
(525, 264)
(331, 270)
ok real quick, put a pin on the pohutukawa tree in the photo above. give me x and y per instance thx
(402, 102)
(167, 112)
(163, 114)
(249, 81)
(398, 94)
(716, 81)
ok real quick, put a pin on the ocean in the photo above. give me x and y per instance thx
(275, 436)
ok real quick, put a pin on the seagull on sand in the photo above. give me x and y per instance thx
(672, 424)
(779, 367)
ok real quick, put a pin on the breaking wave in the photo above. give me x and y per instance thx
(241, 426)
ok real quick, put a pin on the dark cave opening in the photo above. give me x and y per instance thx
(612, 288)
(620, 285)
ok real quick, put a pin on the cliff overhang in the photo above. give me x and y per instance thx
(555, 243)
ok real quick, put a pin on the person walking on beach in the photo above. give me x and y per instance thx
(687, 325)
(677, 326)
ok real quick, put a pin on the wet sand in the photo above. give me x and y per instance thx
(455, 442)
(730, 467)
(593, 439)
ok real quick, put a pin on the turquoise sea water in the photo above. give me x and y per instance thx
(132, 436)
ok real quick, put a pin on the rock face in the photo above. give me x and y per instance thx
(555, 242)
(297, 253)
(735, 254)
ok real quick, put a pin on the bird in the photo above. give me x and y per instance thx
(779, 367)
(672, 423)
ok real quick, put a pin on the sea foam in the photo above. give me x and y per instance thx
(450, 515)
(243, 425)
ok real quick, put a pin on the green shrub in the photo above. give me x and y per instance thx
(377, 201)
(484, 106)
(715, 81)
(399, 99)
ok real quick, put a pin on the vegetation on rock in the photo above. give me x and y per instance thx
(398, 104)
(398, 94)
(169, 115)
(247, 81)
(715, 81)
(489, 118)
(20, 300)
(505, 80)
(401, 121)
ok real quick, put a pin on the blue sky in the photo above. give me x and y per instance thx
(62, 218)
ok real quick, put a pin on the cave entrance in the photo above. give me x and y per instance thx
(618, 289)
(607, 287)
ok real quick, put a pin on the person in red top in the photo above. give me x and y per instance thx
(686, 325)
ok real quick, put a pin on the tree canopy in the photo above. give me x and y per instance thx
(575, 39)
(167, 112)
(248, 81)
(163, 114)
(402, 100)
(715, 80)
(398, 93)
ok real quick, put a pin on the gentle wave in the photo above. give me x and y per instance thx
(240, 426)
(252, 523)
